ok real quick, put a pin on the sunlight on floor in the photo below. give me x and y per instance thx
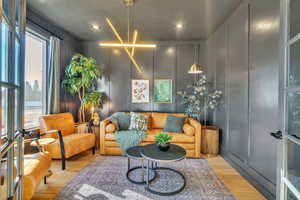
(87, 191)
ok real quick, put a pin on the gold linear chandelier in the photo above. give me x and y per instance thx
(128, 47)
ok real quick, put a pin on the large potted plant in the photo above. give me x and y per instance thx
(198, 99)
(80, 77)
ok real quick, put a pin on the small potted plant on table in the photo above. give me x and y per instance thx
(162, 140)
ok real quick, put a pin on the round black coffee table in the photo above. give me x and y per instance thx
(134, 153)
(153, 155)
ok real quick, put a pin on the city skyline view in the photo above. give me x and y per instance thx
(35, 61)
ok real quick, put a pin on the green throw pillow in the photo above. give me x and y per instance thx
(122, 120)
(174, 124)
(138, 122)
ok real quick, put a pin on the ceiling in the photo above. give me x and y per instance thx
(154, 19)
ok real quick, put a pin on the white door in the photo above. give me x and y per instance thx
(290, 165)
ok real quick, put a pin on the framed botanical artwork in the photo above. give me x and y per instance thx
(140, 91)
(163, 91)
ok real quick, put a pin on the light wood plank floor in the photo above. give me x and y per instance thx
(240, 188)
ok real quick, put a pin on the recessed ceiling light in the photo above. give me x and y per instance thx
(96, 27)
(179, 26)
(116, 51)
(170, 51)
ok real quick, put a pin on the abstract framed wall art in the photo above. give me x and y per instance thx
(140, 91)
(163, 91)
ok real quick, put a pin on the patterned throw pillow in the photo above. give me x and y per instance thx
(138, 122)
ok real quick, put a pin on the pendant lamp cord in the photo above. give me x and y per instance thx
(195, 53)
(196, 78)
(128, 26)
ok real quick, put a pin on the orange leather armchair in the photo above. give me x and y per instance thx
(68, 143)
(36, 168)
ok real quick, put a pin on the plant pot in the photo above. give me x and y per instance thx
(210, 141)
(163, 147)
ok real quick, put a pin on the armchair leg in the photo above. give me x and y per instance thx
(63, 163)
(62, 150)
(94, 150)
(45, 180)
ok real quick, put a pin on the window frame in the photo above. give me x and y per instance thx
(40, 35)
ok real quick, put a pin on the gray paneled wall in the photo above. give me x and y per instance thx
(170, 60)
(184, 60)
(264, 88)
(145, 58)
(238, 83)
(221, 57)
(244, 53)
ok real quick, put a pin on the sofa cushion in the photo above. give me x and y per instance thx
(122, 120)
(154, 131)
(74, 144)
(110, 128)
(159, 119)
(138, 122)
(188, 130)
(182, 138)
(174, 124)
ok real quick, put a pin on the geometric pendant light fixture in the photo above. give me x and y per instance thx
(129, 47)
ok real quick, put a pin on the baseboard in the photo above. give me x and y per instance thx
(263, 186)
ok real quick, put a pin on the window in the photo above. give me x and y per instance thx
(4, 78)
(35, 65)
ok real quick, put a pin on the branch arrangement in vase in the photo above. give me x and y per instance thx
(198, 98)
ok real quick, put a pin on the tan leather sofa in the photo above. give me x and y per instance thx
(36, 167)
(68, 142)
(189, 140)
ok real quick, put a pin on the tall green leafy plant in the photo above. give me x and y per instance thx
(80, 76)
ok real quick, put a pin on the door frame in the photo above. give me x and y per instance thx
(285, 41)
(13, 146)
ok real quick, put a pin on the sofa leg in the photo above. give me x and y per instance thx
(45, 180)
(63, 163)
(93, 150)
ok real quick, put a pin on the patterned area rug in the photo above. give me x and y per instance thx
(105, 179)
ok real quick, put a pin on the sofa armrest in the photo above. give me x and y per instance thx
(198, 132)
(103, 125)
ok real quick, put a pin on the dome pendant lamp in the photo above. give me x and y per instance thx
(196, 68)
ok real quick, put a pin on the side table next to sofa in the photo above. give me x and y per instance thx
(210, 141)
